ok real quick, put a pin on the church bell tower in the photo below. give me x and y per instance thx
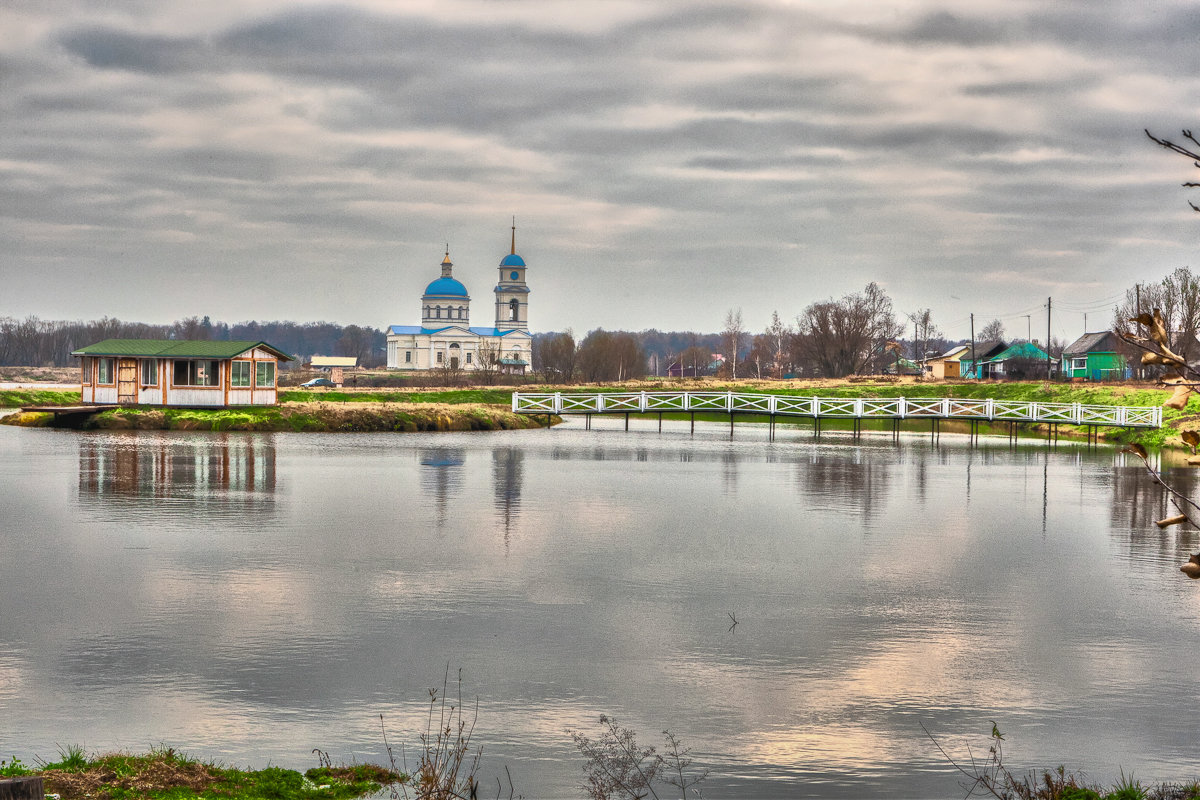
(512, 295)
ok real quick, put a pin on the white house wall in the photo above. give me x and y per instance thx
(165, 394)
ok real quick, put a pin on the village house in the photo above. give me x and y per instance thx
(1095, 357)
(169, 372)
(977, 362)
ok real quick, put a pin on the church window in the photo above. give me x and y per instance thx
(437, 312)
(468, 358)
(513, 309)
(408, 356)
(439, 357)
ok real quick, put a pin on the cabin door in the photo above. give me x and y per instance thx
(127, 377)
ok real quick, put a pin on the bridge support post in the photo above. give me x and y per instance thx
(626, 420)
(693, 423)
(730, 424)
(660, 422)
(587, 425)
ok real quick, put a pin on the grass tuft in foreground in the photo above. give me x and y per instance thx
(164, 774)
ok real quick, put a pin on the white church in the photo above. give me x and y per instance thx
(445, 338)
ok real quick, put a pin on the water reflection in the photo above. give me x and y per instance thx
(441, 477)
(878, 586)
(232, 471)
(507, 463)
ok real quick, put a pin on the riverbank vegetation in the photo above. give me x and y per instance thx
(310, 417)
(165, 774)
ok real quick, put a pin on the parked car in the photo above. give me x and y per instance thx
(315, 382)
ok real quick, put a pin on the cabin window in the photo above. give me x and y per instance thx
(408, 356)
(104, 370)
(1079, 363)
(240, 373)
(197, 373)
(265, 375)
(149, 372)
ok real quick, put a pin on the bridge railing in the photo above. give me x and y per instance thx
(836, 407)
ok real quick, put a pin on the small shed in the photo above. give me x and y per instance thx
(1095, 357)
(947, 364)
(334, 362)
(171, 372)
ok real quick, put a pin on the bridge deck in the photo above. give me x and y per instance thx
(776, 405)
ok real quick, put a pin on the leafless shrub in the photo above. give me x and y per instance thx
(618, 768)
(446, 765)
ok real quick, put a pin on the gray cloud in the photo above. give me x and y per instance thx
(842, 145)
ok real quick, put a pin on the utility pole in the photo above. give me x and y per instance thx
(1141, 375)
(1048, 356)
(1028, 329)
(972, 343)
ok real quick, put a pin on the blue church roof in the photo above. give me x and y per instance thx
(512, 260)
(446, 286)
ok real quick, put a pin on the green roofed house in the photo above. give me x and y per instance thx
(169, 372)
(1095, 357)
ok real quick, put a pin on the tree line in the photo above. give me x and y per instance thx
(34, 342)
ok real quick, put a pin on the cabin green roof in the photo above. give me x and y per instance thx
(174, 348)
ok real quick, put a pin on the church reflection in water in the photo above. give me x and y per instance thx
(507, 476)
(445, 472)
(218, 469)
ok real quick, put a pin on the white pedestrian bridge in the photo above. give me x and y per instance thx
(818, 408)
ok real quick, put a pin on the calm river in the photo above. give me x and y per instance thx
(251, 597)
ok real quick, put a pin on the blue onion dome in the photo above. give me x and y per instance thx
(512, 260)
(443, 287)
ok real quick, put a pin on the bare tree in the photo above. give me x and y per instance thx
(554, 356)
(842, 337)
(780, 336)
(695, 358)
(1177, 298)
(731, 338)
(611, 356)
(923, 332)
(992, 332)
(487, 361)
(1191, 151)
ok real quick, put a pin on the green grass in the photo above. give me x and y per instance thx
(164, 774)
(451, 396)
(15, 398)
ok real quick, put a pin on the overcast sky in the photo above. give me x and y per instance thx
(665, 161)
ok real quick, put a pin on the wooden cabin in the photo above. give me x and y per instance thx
(170, 372)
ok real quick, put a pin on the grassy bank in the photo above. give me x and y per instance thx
(164, 774)
(486, 408)
(15, 398)
(167, 775)
(309, 417)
